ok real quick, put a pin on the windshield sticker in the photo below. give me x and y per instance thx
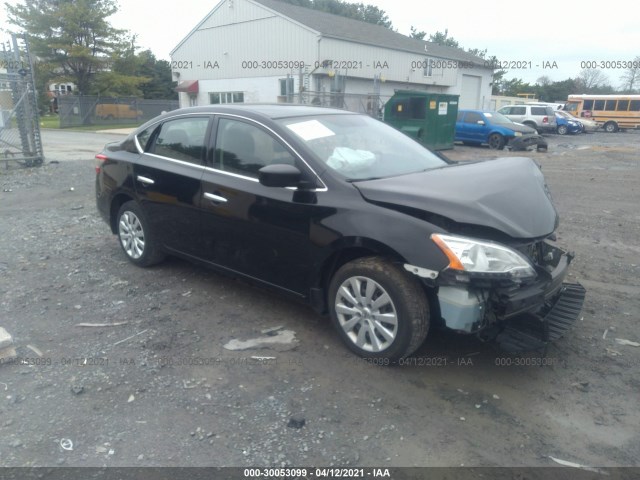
(310, 130)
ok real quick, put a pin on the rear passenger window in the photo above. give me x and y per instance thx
(539, 111)
(144, 136)
(182, 139)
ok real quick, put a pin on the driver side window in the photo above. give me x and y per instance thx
(243, 149)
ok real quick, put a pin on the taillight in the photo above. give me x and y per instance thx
(545, 120)
(100, 158)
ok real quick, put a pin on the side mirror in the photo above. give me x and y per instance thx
(279, 175)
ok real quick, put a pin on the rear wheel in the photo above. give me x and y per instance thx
(610, 127)
(496, 141)
(378, 309)
(135, 236)
(531, 125)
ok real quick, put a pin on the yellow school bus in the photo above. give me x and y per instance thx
(611, 112)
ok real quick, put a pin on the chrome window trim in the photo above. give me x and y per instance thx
(323, 188)
(255, 180)
(175, 160)
(231, 174)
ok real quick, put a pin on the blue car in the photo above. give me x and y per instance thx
(565, 124)
(477, 127)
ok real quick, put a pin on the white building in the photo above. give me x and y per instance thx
(269, 51)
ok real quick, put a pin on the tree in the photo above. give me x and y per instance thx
(554, 91)
(358, 11)
(72, 35)
(417, 34)
(478, 53)
(513, 87)
(123, 77)
(591, 80)
(161, 85)
(444, 39)
(631, 77)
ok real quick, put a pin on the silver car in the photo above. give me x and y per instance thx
(540, 117)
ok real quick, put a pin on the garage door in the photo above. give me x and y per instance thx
(470, 93)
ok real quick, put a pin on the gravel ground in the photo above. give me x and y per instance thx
(158, 388)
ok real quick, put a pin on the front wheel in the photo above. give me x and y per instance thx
(378, 309)
(496, 141)
(135, 236)
(562, 130)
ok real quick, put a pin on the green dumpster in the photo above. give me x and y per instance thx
(430, 118)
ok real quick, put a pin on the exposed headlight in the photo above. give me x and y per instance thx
(518, 134)
(483, 258)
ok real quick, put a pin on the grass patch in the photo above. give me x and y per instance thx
(53, 121)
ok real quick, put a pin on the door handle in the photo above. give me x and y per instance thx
(145, 180)
(215, 198)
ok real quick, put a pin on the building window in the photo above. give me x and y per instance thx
(226, 97)
(428, 67)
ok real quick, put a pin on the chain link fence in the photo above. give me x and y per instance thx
(93, 110)
(371, 104)
(19, 124)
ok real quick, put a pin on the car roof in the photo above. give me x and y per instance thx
(268, 110)
(476, 111)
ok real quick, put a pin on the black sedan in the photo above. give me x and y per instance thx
(349, 215)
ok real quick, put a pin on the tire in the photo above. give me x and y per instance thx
(610, 127)
(496, 141)
(531, 125)
(562, 130)
(372, 287)
(135, 236)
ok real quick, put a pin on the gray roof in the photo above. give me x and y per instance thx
(343, 28)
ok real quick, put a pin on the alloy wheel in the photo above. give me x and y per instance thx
(131, 235)
(366, 313)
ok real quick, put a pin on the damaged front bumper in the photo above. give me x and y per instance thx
(525, 142)
(517, 317)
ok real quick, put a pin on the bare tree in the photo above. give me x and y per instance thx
(590, 78)
(544, 81)
(631, 77)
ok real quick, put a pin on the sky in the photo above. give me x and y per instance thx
(548, 33)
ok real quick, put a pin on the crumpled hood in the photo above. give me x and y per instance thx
(518, 127)
(507, 194)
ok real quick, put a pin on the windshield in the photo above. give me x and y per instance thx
(359, 147)
(566, 115)
(496, 117)
(571, 107)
